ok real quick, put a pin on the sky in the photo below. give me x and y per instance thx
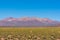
(30, 8)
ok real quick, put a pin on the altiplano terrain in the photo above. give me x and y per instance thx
(50, 33)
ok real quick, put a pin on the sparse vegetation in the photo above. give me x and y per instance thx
(51, 33)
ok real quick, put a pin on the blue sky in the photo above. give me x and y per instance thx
(30, 8)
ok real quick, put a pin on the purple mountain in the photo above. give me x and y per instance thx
(27, 21)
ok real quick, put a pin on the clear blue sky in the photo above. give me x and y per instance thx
(30, 8)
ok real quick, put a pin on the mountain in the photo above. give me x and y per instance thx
(27, 21)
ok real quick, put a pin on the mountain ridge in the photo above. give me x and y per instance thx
(28, 21)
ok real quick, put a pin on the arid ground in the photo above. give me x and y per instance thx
(42, 33)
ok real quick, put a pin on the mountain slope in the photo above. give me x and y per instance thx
(27, 21)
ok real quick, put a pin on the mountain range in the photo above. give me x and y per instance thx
(28, 21)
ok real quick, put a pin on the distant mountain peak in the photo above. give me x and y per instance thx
(28, 21)
(9, 19)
